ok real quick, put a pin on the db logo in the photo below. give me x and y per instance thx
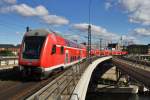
(30, 63)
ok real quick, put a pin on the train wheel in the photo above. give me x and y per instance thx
(43, 76)
(61, 68)
(23, 73)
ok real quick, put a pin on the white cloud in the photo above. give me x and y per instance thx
(9, 1)
(73, 37)
(128, 38)
(25, 10)
(55, 20)
(97, 31)
(39, 11)
(137, 35)
(141, 32)
(84, 27)
(108, 5)
(138, 10)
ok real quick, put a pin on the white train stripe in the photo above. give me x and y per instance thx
(62, 65)
(53, 67)
(70, 47)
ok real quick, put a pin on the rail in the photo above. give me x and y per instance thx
(142, 62)
(134, 70)
(8, 62)
(62, 87)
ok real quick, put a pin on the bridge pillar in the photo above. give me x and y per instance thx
(80, 90)
(117, 73)
(122, 77)
(142, 89)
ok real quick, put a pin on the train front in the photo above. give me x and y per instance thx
(31, 51)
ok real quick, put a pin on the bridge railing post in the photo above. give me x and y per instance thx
(14, 61)
(7, 63)
(58, 90)
(78, 70)
(73, 75)
(0, 62)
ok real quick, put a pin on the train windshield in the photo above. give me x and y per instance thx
(32, 47)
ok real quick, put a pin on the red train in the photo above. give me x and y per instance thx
(113, 52)
(42, 52)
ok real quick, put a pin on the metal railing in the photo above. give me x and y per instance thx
(8, 62)
(62, 87)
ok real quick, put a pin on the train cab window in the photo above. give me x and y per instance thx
(62, 50)
(71, 59)
(32, 47)
(78, 57)
(53, 49)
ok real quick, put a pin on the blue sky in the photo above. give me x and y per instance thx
(110, 19)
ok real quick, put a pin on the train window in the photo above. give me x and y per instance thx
(53, 49)
(62, 50)
(71, 59)
(78, 57)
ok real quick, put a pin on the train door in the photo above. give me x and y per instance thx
(82, 54)
(66, 56)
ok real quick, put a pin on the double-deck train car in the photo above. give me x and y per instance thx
(42, 52)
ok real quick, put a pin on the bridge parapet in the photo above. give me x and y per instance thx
(61, 88)
(80, 91)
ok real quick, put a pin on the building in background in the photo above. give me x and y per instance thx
(10, 47)
(149, 49)
(114, 46)
(138, 49)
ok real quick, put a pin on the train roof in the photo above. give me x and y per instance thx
(74, 44)
(44, 32)
(40, 32)
(37, 32)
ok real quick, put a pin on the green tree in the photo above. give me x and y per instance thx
(6, 53)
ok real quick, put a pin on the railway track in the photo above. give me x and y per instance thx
(13, 87)
(136, 71)
(142, 62)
